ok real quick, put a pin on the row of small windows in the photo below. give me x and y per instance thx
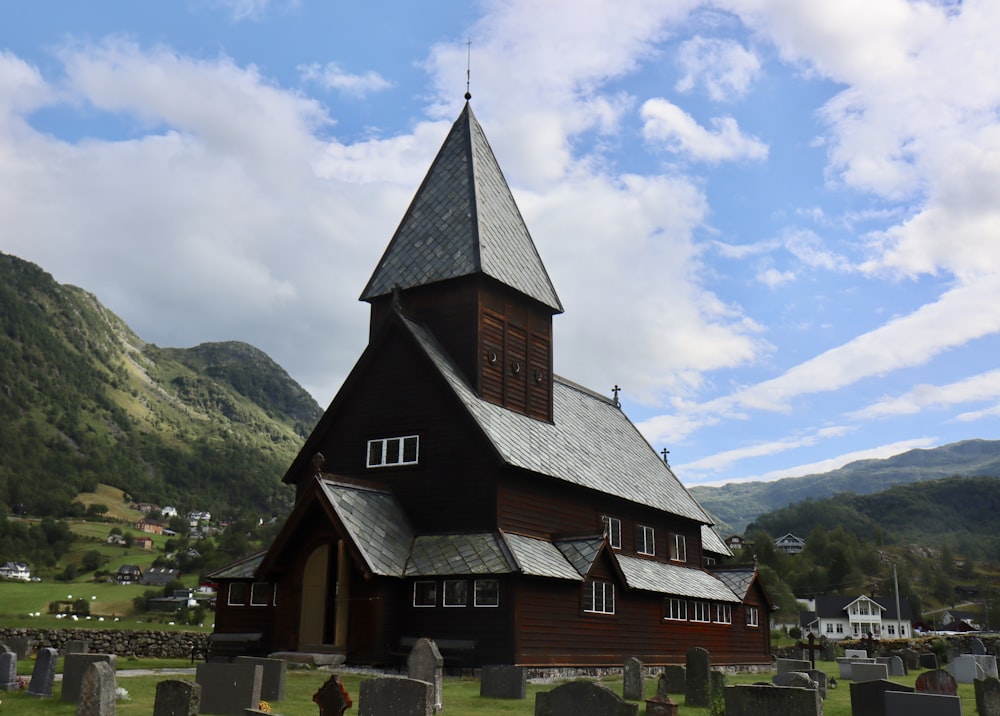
(258, 594)
(645, 538)
(599, 598)
(385, 452)
(455, 593)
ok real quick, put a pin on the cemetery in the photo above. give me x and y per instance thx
(892, 678)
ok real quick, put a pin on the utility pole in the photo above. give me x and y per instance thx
(895, 581)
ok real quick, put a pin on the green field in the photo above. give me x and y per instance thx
(461, 695)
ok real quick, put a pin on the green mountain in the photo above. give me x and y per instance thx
(83, 400)
(738, 504)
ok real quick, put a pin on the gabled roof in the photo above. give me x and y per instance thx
(463, 221)
(653, 576)
(739, 580)
(835, 607)
(711, 542)
(244, 568)
(590, 442)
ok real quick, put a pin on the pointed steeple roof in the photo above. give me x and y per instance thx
(463, 221)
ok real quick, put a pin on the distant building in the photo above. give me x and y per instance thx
(143, 542)
(737, 542)
(160, 576)
(129, 574)
(149, 526)
(15, 570)
(169, 511)
(952, 620)
(145, 507)
(790, 544)
(116, 539)
(838, 617)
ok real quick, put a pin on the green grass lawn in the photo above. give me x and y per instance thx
(461, 695)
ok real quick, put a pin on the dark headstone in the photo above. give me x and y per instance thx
(332, 698)
(75, 665)
(76, 646)
(20, 645)
(272, 685)
(937, 681)
(425, 663)
(899, 703)
(976, 646)
(228, 688)
(699, 663)
(579, 698)
(819, 676)
(928, 661)
(756, 700)
(716, 683)
(387, 696)
(661, 706)
(675, 678)
(8, 671)
(503, 682)
(44, 673)
(988, 697)
(911, 658)
(97, 690)
(177, 698)
(868, 697)
(632, 680)
(895, 664)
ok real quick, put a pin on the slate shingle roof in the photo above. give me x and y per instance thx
(738, 580)
(711, 542)
(376, 523)
(462, 221)
(590, 443)
(443, 555)
(653, 576)
(540, 558)
(244, 568)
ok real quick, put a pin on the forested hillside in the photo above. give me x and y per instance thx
(736, 505)
(84, 400)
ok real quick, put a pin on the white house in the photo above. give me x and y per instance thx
(855, 617)
(15, 570)
(790, 544)
(168, 512)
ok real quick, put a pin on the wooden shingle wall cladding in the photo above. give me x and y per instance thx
(399, 394)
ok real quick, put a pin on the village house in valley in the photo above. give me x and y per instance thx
(456, 489)
(837, 617)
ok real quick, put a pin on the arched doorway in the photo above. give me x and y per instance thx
(323, 617)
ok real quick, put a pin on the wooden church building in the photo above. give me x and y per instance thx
(457, 489)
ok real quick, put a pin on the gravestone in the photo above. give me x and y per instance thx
(988, 697)
(759, 700)
(661, 705)
(97, 690)
(976, 646)
(716, 684)
(332, 698)
(75, 646)
(819, 676)
(696, 687)
(632, 680)
(175, 697)
(75, 665)
(937, 681)
(272, 684)
(228, 688)
(20, 645)
(425, 663)
(895, 664)
(869, 672)
(675, 679)
(829, 652)
(855, 653)
(798, 679)
(868, 697)
(392, 696)
(8, 671)
(844, 665)
(928, 661)
(503, 682)
(911, 659)
(44, 673)
(900, 703)
(966, 668)
(582, 698)
(787, 665)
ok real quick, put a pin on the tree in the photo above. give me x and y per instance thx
(91, 560)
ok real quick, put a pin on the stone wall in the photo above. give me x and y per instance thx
(124, 643)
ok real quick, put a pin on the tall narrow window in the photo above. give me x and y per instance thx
(723, 613)
(384, 452)
(645, 543)
(753, 619)
(487, 593)
(599, 597)
(613, 531)
(701, 612)
(425, 594)
(456, 592)
(675, 609)
(678, 548)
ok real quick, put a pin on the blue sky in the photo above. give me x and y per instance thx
(774, 223)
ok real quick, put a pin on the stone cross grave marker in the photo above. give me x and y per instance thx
(393, 696)
(175, 697)
(870, 644)
(44, 673)
(696, 688)
(332, 698)
(97, 690)
(425, 663)
(812, 646)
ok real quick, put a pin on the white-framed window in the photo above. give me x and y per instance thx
(456, 593)
(840, 628)
(829, 627)
(723, 613)
(487, 593)
(678, 548)
(259, 594)
(645, 540)
(424, 593)
(753, 618)
(675, 609)
(237, 594)
(384, 452)
(701, 612)
(902, 630)
(599, 597)
(613, 531)
(891, 629)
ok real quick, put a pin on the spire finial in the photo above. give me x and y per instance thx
(468, 69)
(616, 390)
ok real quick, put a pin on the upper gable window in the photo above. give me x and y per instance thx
(678, 548)
(384, 452)
(613, 531)
(645, 540)
(599, 597)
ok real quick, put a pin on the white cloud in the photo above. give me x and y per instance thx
(240, 10)
(678, 132)
(333, 76)
(724, 67)
(974, 389)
